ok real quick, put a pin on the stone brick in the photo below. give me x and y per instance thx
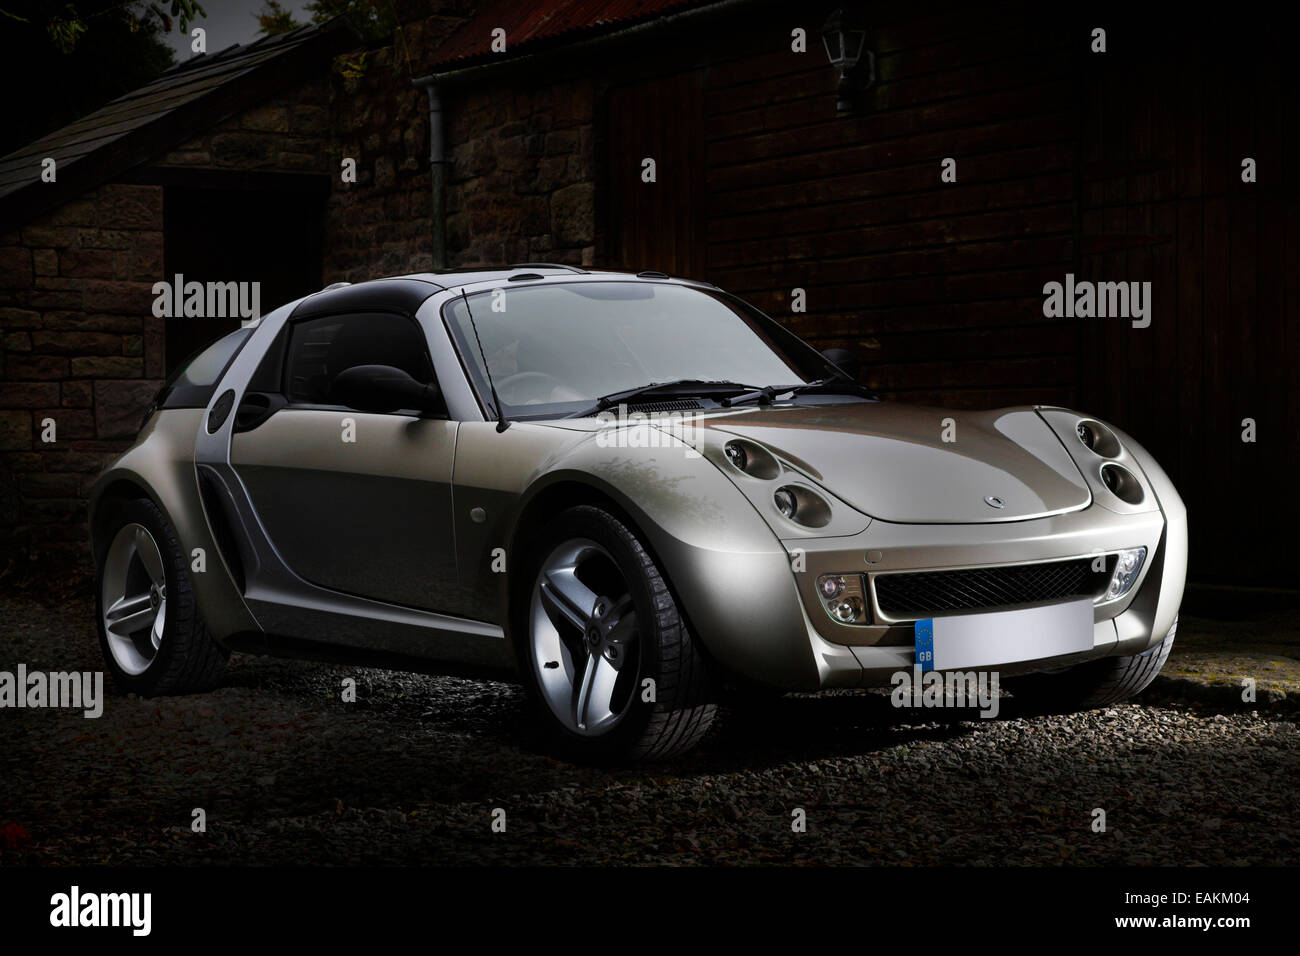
(107, 367)
(133, 345)
(28, 394)
(90, 263)
(92, 322)
(77, 343)
(24, 461)
(242, 149)
(119, 406)
(20, 319)
(44, 485)
(268, 117)
(55, 509)
(55, 298)
(15, 267)
(69, 423)
(17, 342)
(573, 215)
(50, 237)
(77, 394)
(114, 296)
(79, 461)
(35, 368)
(15, 431)
(46, 262)
(187, 157)
(123, 206)
(310, 121)
(78, 212)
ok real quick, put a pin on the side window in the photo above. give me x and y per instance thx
(195, 379)
(319, 349)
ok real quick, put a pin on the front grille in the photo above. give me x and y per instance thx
(925, 593)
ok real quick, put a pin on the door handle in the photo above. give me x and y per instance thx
(255, 408)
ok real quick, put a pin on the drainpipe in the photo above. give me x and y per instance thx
(435, 83)
(438, 169)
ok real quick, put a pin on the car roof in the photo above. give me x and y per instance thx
(407, 292)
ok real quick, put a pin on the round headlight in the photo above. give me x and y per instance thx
(736, 455)
(1086, 436)
(785, 502)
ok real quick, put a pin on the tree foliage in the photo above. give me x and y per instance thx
(61, 60)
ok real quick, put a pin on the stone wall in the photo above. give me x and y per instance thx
(82, 351)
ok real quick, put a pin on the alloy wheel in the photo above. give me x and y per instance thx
(134, 598)
(583, 637)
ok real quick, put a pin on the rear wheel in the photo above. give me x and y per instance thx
(603, 649)
(150, 631)
(1093, 684)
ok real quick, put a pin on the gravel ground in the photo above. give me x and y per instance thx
(412, 772)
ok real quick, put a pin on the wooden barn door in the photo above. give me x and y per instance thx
(656, 225)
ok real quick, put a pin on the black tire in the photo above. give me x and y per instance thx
(188, 659)
(1093, 684)
(686, 686)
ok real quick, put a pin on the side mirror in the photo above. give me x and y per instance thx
(847, 361)
(382, 388)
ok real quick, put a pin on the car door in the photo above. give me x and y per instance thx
(352, 501)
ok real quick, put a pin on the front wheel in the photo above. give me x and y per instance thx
(603, 649)
(1093, 684)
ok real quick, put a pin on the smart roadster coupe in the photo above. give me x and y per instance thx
(627, 492)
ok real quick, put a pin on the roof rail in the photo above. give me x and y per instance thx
(547, 265)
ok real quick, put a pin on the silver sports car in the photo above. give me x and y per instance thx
(626, 491)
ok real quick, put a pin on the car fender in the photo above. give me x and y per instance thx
(725, 565)
(160, 465)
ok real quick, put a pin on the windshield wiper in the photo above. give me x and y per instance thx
(833, 385)
(682, 387)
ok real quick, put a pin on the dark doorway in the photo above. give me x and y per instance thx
(239, 235)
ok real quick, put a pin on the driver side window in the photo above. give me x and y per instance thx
(320, 349)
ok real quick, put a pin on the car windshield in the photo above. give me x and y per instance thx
(553, 349)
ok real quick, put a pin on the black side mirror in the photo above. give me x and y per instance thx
(848, 362)
(382, 388)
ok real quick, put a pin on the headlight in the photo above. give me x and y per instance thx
(1127, 566)
(785, 502)
(843, 597)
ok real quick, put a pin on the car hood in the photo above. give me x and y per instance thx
(891, 461)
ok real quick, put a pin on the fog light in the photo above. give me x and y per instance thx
(848, 611)
(1127, 565)
(844, 597)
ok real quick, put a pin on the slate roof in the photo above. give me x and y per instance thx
(146, 123)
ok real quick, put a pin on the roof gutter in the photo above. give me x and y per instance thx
(435, 83)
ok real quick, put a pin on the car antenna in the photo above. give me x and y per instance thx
(502, 424)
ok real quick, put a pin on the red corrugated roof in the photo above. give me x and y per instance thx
(534, 24)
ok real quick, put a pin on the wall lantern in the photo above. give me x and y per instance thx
(845, 41)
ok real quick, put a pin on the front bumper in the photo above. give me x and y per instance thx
(1129, 625)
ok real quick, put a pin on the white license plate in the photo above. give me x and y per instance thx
(1003, 637)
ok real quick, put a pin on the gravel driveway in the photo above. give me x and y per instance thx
(412, 773)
